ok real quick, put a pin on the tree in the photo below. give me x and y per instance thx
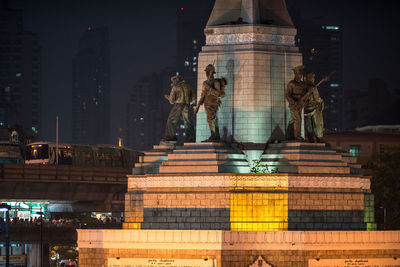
(385, 185)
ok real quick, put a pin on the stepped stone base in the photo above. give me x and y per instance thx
(249, 202)
(152, 160)
(308, 158)
(205, 157)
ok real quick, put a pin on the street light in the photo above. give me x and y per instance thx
(41, 238)
(7, 208)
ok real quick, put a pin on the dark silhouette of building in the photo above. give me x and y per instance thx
(20, 74)
(147, 110)
(189, 40)
(379, 101)
(322, 47)
(321, 43)
(91, 88)
(374, 106)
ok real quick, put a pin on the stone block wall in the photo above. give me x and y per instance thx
(237, 249)
(257, 62)
(251, 202)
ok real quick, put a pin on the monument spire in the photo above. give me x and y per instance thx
(269, 12)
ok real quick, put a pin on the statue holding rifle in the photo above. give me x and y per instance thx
(211, 92)
(313, 107)
(294, 93)
(181, 96)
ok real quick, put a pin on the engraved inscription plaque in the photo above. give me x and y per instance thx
(372, 262)
(149, 262)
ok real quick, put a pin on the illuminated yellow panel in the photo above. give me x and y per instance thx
(133, 226)
(259, 211)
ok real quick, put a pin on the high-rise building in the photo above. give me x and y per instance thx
(91, 88)
(20, 73)
(147, 110)
(321, 45)
(189, 40)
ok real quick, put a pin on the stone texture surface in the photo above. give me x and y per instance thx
(257, 62)
(249, 202)
(205, 157)
(302, 157)
(288, 248)
(152, 160)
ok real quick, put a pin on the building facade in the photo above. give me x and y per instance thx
(189, 40)
(91, 88)
(147, 110)
(20, 74)
(321, 45)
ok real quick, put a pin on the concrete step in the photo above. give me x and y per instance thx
(350, 159)
(205, 156)
(298, 150)
(156, 152)
(312, 169)
(201, 150)
(202, 144)
(304, 156)
(155, 158)
(205, 169)
(189, 169)
(297, 144)
(354, 165)
(305, 162)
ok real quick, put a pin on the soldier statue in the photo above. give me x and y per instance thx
(181, 96)
(313, 107)
(211, 92)
(294, 94)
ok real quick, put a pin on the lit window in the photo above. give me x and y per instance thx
(18, 75)
(334, 85)
(194, 41)
(182, 126)
(187, 63)
(332, 27)
(355, 150)
(194, 69)
(194, 58)
(333, 38)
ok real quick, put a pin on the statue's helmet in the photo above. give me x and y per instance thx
(298, 69)
(210, 67)
(176, 78)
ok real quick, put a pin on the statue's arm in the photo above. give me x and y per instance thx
(288, 94)
(172, 96)
(201, 100)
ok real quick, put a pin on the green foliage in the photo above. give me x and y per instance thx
(258, 167)
(385, 185)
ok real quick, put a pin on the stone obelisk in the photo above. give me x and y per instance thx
(252, 44)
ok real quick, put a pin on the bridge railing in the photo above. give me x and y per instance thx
(52, 233)
(63, 173)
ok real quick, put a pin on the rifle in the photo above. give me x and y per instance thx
(309, 93)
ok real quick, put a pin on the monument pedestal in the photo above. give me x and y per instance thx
(198, 205)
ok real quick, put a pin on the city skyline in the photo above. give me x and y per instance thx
(136, 52)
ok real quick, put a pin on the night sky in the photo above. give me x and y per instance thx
(143, 40)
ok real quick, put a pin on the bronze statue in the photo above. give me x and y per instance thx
(211, 92)
(294, 94)
(181, 96)
(313, 107)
